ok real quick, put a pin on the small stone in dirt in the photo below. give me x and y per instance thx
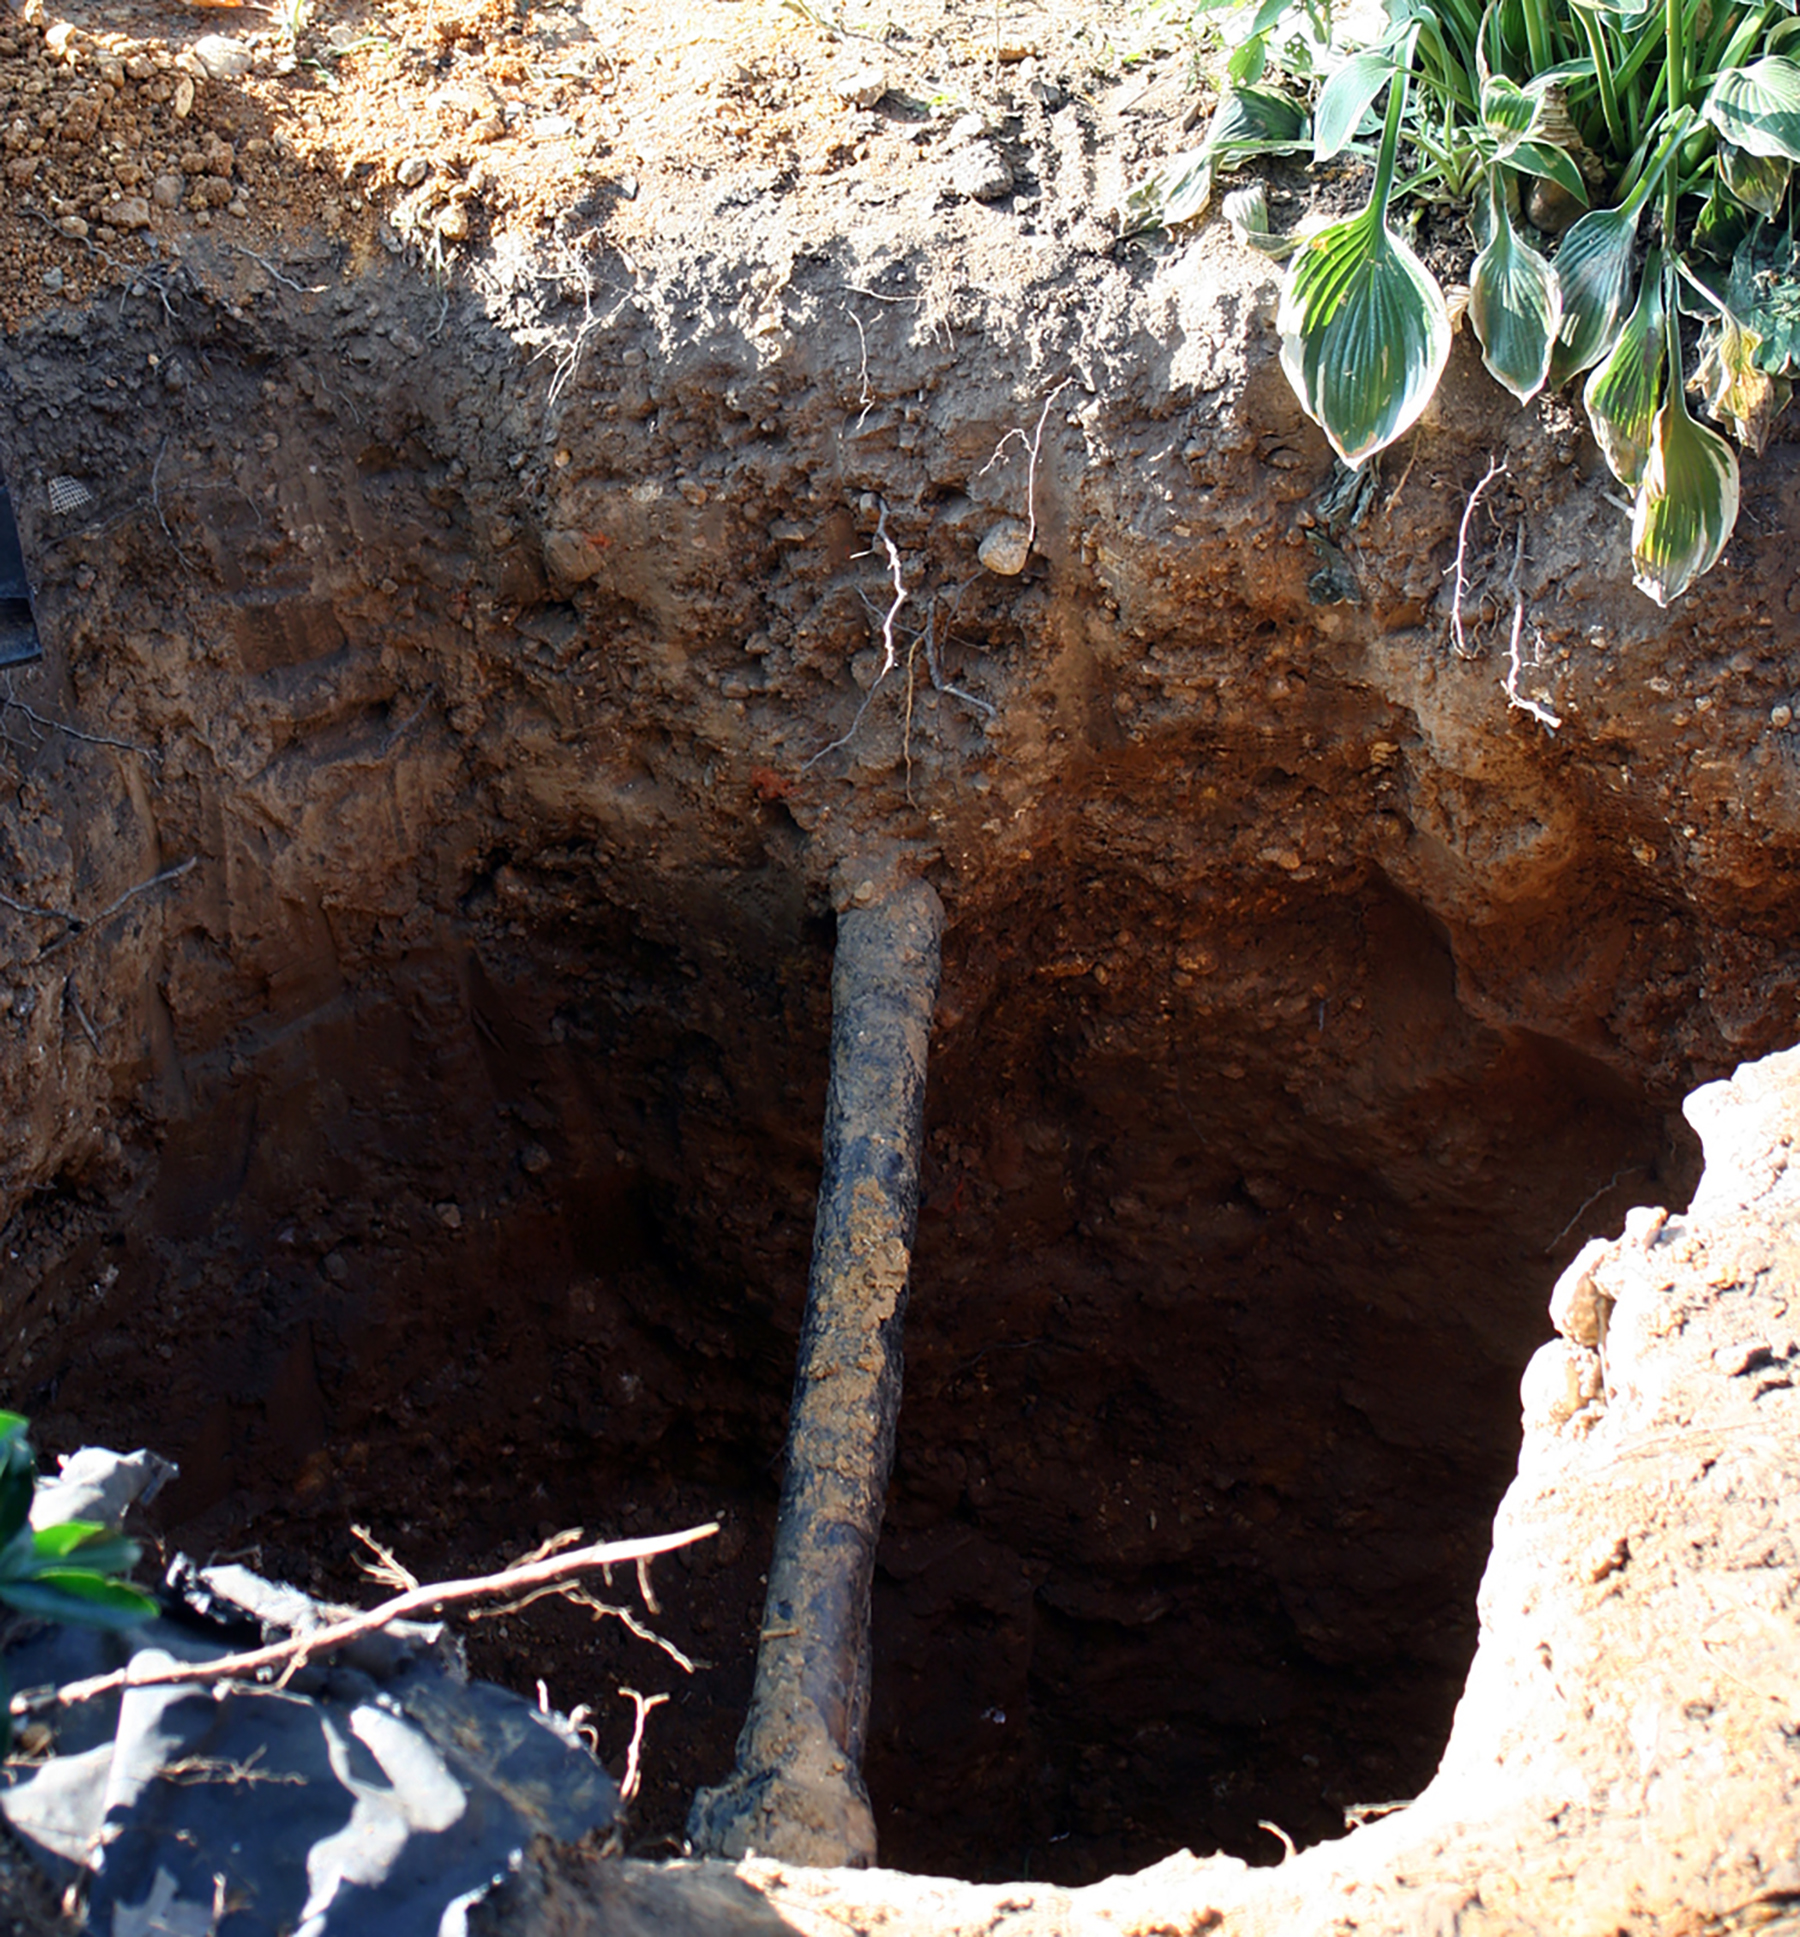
(53, 280)
(412, 171)
(981, 172)
(861, 83)
(335, 1268)
(534, 1159)
(453, 222)
(1780, 715)
(129, 212)
(184, 97)
(165, 191)
(1006, 548)
(968, 127)
(223, 58)
(73, 227)
(449, 1216)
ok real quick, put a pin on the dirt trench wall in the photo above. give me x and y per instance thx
(447, 1135)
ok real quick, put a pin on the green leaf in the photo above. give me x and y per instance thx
(1507, 111)
(1249, 119)
(18, 1475)
(1688, 502)
(1758, 106)
(1364, 330)
(1721, 225)
(1250, 56)
(1364, 334)
(80, 1598)
(1552, 164)
(1763, 292)
(1247, 62)
(1622, 393)
(1514, 302)
(1347, 97)
(1593, 274)
(1758, 181)
(1247, 210)
(97, 1548)
(1739, 395)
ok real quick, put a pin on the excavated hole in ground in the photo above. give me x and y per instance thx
(1209, 1398)
(457, 1124)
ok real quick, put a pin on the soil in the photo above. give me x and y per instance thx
(483, 584)
(456, 127)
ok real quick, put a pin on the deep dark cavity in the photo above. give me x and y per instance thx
(449, 1163)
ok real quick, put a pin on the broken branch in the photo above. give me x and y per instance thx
(293, 1653)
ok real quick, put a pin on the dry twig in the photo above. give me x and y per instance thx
(297, 1650)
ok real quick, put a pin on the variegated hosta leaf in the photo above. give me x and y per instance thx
(1721, 225)
(1622, 393)
(1688, 502)
(1250, 119)
(1247, 210)
(1346, 98)
(1247, 121)
(1507, 111)
(1763, 293)
(1514, 302)
(1552, 164)
(1758, 181)
(1593, 272)
(1758, 106)
(1738, 394)
(1364, 334)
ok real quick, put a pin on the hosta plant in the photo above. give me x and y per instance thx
(1625, 165)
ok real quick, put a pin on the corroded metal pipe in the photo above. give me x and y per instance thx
(797, 1791)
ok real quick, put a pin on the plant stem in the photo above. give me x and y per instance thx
(1674, 80)
(1537, 36)
(1743, 37)
(1677, 97)
(1609, 99)
(1388, 158)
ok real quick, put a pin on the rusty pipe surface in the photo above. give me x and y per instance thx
(797, 1791)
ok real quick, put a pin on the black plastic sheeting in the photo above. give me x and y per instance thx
(18, 630)
(380, 1794)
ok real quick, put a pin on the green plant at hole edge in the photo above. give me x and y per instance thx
(1578, 116)
(69, 1572)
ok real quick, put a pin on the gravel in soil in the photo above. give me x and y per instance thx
(443, 127)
